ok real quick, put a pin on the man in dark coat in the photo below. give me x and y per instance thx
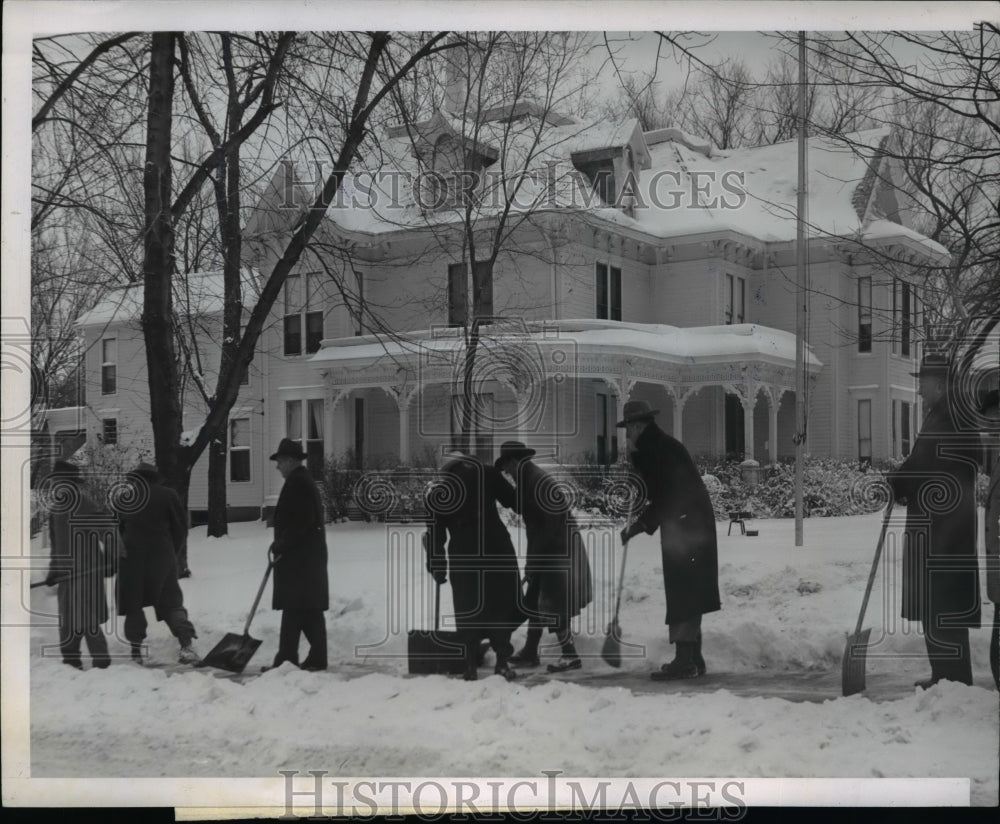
(153, 525)
(940, 568)
(556, 566)
(78, 565)
(480, 558)
(990, 409)
(301, 583)
(680, 507)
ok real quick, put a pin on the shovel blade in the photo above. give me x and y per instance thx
(611, 652)
(232, 653)
(853, 667)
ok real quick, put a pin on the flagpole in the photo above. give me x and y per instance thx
(800, 298)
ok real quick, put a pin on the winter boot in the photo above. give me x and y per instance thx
(569, 659)
(699, 662)
(137, 653)
(188, 655)
(527, 656)
(683, 666)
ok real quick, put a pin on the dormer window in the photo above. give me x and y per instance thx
(601, 174)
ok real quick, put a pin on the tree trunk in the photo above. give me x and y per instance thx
(158, 267)
(218, 516)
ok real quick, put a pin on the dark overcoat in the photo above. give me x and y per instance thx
(468, 539)
(82, 540)
(680, 507)
(555, 554)
(938, 484)
(301, 580)
(153, 527)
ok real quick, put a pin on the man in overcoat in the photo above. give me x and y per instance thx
(556, 565)
(153, 526)
(680, 507)
(468, 543)
(78, 565)
(990, 409)
(301, 582)
(937, 482)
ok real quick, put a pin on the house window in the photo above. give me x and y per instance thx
(736, 299)
(109, 366)
(607, 441)
(901, 417)
(109, 431)
(902, 317)
(864, 314)
(303, 310)
(865, 432)
(608, 289)
(293, 421)
(601, 174)
(314, 437)
(359, 432)
(239, 450)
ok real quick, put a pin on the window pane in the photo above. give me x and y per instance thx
(905, 325)
(314, 331)
(616, 293)
(484, 283)
(239, 432)
(316, 419)
(109, 380)
(741, 300)
(108, 350)
(293, 334)
(293, 294)
(730, 296)
(109, 433)
(601, 289)
(239, 465)
(864, 431)
(293, 420)
(315, 288)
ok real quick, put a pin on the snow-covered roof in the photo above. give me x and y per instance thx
(195, 294)
(671, 344)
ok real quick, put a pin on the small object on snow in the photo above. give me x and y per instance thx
(565, 664)
(856, 650)
(807, 587)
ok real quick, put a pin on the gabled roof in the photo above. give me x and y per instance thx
(196, 294)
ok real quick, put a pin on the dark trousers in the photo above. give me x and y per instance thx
(308, 622)
(499, 639)
(70, 639)
(948, 652)
(176, 619)
(995, 646)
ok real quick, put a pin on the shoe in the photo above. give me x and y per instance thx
(187, 655)
(523, 658)
(470, 675)
(926, 683)
(74, 664)
(565, 664)
(137, 654)
(506, 671)
(101, 663)
(676, 670)
(313, 668)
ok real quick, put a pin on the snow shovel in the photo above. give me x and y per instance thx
(856, 651)
(234, 651)
(435, 652)
(611, 652)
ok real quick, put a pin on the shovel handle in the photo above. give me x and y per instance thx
(874, 569)
(621, 581)
(256, 601)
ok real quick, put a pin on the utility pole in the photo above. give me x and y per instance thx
(800, 297)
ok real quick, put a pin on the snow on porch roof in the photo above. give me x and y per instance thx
(691, 345)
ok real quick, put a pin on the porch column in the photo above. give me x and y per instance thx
(774, 397)
(403, 399)
(336, 416)
(679, 417)
(748, 402)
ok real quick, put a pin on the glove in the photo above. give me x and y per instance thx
(272, 553)
(630, 532)
(51, 579)
(440, 575)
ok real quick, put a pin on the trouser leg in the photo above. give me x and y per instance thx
(500, 641)
(686, 631)
(69, 643)
(567, 645)
(948, 652)
(314, 628)
(288, 637)
(181, 627)
(470, 641)
(97, 646)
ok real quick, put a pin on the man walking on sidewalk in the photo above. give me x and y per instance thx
(680, 507)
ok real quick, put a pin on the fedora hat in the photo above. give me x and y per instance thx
(513, 450)
(147, 471)
(933, 364)
(289, 449)
(637, 411)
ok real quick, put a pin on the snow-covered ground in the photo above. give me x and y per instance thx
(785, 612)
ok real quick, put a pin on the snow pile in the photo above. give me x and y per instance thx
(785, 615)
